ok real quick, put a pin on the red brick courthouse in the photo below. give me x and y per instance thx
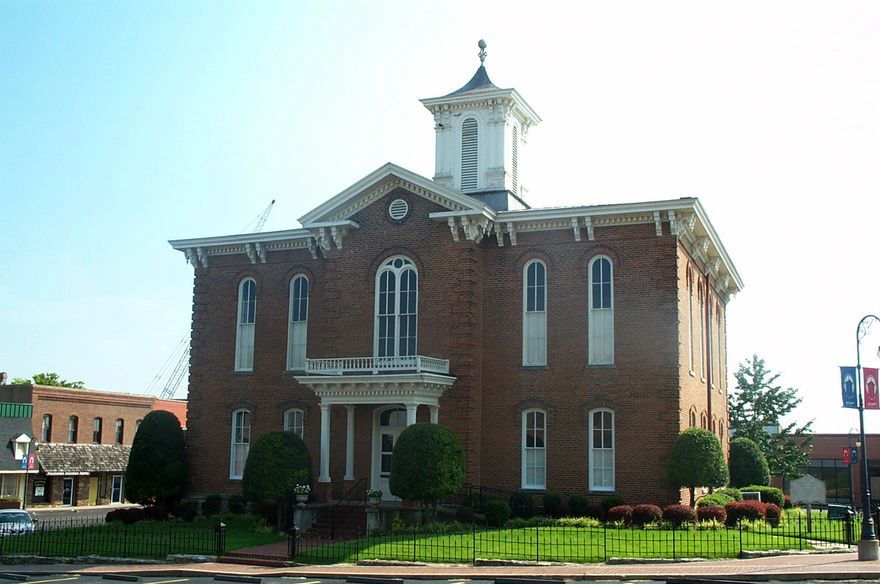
(566, 347)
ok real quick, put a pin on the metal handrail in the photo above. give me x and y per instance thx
(376, 365)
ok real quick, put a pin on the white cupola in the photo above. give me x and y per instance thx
(482, 133)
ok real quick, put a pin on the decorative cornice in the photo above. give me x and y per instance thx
(421, 388)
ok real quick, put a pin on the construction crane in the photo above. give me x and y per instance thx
(260, 220)
(172, 371)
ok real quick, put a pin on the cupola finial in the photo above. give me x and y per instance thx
(482, 53)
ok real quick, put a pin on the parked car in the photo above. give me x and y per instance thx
(15, 521)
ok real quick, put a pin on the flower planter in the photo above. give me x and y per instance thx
(302, 498)
(373, 501)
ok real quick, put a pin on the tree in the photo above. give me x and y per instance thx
(276, 463)
(52, 379)
(427, 463)
(156, 472)
(748, 466)
(756, 409)
(697, 461)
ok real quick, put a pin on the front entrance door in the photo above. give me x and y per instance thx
(67, 492)
(93, 490)
(116, 489)
(388, 424)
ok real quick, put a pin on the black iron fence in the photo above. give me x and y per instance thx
(76, 537)
(560, 543)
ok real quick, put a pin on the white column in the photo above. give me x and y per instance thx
(324, 477)
(434, 413)
(411, 414)
(349, 445)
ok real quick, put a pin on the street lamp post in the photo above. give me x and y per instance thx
(869, 547)
(852, 496)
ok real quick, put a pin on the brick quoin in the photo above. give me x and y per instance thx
(470, 312)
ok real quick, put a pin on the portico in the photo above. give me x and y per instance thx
(405, 382)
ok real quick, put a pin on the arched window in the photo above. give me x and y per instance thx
(298, 323)
(72, 429)
(46, 434)
(397, 285)
(601, 314)
(120, 430)
(702, 328)
(534, 449)
(693, 419)
(602, 450)
(97, 430)
(704, 421)
(721, 431)
(535, 313)
(241, 440)
(293, 421)
(247, 316)
(690, 320)
(469, 149)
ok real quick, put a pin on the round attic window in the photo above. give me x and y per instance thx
(398, 209)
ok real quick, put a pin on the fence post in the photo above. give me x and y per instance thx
(800, 534)
(82, 540)
(537, 547)
(414, 544)
(357, 544)
(673, 541)
(291, 542)
(474, 543)
(219, 538)
(605, 541)
(740, 526)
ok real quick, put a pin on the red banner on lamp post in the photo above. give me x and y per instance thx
(845, 455)
(872, 398)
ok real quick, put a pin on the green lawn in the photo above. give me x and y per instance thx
(572, 544)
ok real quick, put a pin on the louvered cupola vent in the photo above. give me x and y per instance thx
(398, 209)
(469, 155)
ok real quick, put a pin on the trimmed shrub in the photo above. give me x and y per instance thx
(644, 514)
(679, 514)
(552, 504)
(714, 500)
(732, 492)
(595, 511)
(612, 501)
(577, 505)
(537, 521)
(427, 463)
(212, 504)
(156, 472)
(748, 465)
(739, 510)
(578, 522)
(712, 513)
(236, 504)
(497, 512)
(465, 515)
(521, 505)
(772, 512)
(697, 460)
(768, 494)
(186, 510)
(621, 513)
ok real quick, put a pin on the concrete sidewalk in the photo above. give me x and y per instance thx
(838, 566)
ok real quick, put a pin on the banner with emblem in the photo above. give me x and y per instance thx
(848, 387)
(872, 398)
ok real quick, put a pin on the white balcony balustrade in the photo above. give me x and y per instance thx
(377, 365)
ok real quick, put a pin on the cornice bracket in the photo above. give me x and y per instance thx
(453, 228)
(203, 256)
(658, 224)
(588, 223)
(261, 251)
(575, 226)
(511, 230)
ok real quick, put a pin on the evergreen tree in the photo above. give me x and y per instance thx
(756, 410)
(277, 462)
(748, 466)
(156, 471)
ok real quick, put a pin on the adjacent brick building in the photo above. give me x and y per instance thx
(82, 439)
(566, 347)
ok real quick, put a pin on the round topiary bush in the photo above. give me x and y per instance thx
(712, 513)
(622, 513)
(612, 501)
(772, 512)
(739, 510)
(768, 494)
(577, 505)
(595, 511)
(212, 504)
(496, 512)
(156, 472)
(552, 504)
(678, 515)
(427, 463)
(732, 492)
(748, 465)
(645, 514)
(716, 499)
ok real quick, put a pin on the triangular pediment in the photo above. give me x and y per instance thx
(379, 183)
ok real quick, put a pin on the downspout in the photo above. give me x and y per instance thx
(708, 318)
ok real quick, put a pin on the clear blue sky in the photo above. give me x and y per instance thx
(128, 124)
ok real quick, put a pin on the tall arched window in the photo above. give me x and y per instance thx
(469, 149)
(535, 313)
(693, 418)
(97, 430)
(72, 429)
(601, 314)
(690, 319)
(293, 421)
(397, 285)
(46, 434)
(602, 450)
(241, 440)
(298, 323)
(247, 316)
(534, 449)
(120, 430)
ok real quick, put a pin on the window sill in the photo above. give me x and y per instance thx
(533, 489)
(242, 371)
(601, 366)
(535, 367)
